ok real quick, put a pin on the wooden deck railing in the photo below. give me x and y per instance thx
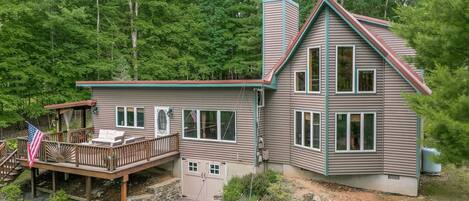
(3, 149)
(8, 165)
(72, 136)
(102, 156)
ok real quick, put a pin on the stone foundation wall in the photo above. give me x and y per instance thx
(168, 190)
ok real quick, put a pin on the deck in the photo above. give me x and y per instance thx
(102, 161)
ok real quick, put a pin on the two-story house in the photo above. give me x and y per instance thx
(329, 105)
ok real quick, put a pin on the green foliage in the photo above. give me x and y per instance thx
(437, 29)
(445, 113)
(12, 143)
(59, 196)
(252, 187)
(11, 192)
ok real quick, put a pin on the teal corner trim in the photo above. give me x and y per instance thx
(326, 101)
(418, 148)
(254, 127)
(284, 25)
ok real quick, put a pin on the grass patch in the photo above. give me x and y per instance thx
(453, 184)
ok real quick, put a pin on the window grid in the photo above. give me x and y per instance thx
(221, 133)
(214, 169)
(300, 134)
(362, 131)
(193, 166)
(137, 117)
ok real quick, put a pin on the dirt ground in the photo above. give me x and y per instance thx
(334, 192)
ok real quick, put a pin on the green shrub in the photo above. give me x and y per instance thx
(280, 191)
(11, 192)
(11, 144)
(240, 188)
(59, 196)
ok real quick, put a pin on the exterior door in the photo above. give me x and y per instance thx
(203, 180)
(162, 121)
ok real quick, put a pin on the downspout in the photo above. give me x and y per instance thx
(326, 101)
(254, 127)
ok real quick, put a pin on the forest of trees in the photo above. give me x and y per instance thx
(47, 45)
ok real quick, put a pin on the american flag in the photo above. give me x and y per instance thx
(34, 142)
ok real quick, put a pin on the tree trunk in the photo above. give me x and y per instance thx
(97, 34)
(386, 9)
(133, 6)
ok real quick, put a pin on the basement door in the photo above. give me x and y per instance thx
(203, 180)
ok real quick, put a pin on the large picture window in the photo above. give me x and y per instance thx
(355, 131)
(314, 69)
(130, 117)
(307, 129)
(209, 125)
(345, 68)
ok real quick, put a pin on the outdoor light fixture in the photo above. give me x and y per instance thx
(170, 112)
(94, 110)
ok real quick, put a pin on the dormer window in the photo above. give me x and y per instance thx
(345, 65)
(314, 69)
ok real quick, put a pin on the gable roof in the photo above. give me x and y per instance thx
(374, 40)
(176, 83)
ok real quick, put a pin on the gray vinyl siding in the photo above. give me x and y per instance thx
(272, 34)
(240, 100)
(400, 130)
(273, 29)
(281, 104)
(365, 58)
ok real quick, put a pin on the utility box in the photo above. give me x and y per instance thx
(429, 165)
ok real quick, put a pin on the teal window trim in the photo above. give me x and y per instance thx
(326, 96)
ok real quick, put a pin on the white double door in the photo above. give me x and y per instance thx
(203, 180)
(162, 121)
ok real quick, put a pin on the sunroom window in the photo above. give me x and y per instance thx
(355, 131)
(345, 69)
(307, 129)
(130, 117)
(209, 125)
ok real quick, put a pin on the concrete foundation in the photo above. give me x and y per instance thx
(238, 170)
(385, 183)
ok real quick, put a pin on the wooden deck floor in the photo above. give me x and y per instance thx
(103, 172)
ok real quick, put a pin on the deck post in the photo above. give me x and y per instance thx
(33, 183)
(125, 179)
(83, 118)
(88, 188)
(54, 186)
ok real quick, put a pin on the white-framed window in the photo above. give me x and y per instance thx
(214, 125)
(314, 69)
(345, 69)
(260, 97)
(130, 117)
(214, 169)
(162, 121)
(307, 126)
(300, 81)
(193, 166)
(355, 132)
(366, 80)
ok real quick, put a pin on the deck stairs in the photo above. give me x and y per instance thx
(10, 167)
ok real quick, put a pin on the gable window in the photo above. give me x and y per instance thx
(355, 131)
(314, 69)
(130, 117)
(214, 169)
(209, 125)
(193, 166)
(300, 84)
(367, 80)
(307, 129)
(345, 68)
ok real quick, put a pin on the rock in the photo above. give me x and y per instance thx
(168, 190)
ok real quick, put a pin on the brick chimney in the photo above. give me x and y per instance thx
(280, 25)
